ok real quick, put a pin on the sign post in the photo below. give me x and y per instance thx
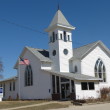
(1, 93)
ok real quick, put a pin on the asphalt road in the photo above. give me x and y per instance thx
(105, 106)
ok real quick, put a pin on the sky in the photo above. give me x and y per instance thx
(22, 23)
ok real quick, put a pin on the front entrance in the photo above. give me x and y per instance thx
(65, 91)
(62, 88)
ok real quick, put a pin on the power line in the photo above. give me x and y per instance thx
(32, 29)
(26, 27)
(22, 26)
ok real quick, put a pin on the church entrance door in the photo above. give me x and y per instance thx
(65, 91)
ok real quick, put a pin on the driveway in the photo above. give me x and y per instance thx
(105, 106)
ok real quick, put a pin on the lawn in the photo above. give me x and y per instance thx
(10, 104)
(46, 107)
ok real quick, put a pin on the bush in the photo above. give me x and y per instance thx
(105, 96)
(17, 97)
(105, 93)
(9, 98)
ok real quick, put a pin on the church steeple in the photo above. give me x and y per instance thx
(60, 42)
(59, 20)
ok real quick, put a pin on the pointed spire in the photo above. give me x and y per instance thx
(59, 20)
(58, 6)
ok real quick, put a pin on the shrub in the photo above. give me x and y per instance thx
(9, 98)
(104, 92)
(17, 97)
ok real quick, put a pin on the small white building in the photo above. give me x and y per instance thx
(61, 72)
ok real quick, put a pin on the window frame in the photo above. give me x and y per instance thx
(91, 88)
(53, 84)
(54, 52)
(100, 70)
(87, 86)
(56, 36)
(61, 36)
(28, 76)
(53, 40)
(14, 86)
(68, 37)
(10, 86)
(65, 38)
(76, 69)
(58, 84)
(4, 88)
(82, 86)
(65, 51)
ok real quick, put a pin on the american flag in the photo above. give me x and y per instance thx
(24, 61)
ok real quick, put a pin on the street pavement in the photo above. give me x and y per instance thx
(105, 106)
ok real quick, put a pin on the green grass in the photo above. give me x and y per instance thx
(11, 104)
(46, 107)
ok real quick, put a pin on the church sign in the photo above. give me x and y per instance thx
(1, 93)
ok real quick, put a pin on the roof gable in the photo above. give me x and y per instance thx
(78, 53)
(81, 52)
(9, 79)
(41, 54)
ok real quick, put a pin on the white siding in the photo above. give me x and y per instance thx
(85, 94)
(75, 63)
(41, 80)
(88, 64)
(46, 65)
(8, 93)
(60, 61)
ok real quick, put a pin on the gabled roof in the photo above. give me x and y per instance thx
(41, 54)
(60, 20)
(78, 53)
(76, 76)
(81, 52)
(9, 79)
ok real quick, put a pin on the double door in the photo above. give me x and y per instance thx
(65, 91)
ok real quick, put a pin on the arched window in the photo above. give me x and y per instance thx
(65, 36)
(61, 36)
(100, 71)
(76, 69)
(68, 37)
(53, 37)
(56, 36)
(50, 38)
(28, 76)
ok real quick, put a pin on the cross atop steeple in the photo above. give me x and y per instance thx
(58, 6)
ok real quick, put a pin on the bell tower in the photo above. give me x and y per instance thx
(60, 42)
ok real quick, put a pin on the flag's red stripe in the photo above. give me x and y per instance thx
(24, 62)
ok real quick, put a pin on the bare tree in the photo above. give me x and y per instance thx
(1, 69)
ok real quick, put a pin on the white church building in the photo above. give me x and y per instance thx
(61, 72)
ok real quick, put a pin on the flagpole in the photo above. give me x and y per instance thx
(21, 62)
(19, 77)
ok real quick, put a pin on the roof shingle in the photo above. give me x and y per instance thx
(76, 76)
(41, 54)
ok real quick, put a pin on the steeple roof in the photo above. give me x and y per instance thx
(60, 20)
